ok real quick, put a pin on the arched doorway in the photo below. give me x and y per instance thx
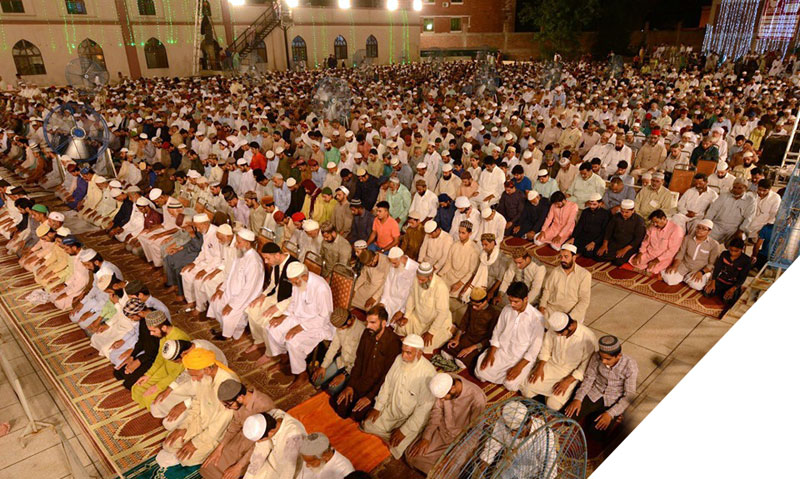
(90, 50)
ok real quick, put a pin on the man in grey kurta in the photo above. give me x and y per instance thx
(369, 284)
(455, 408)
(183, 255)
(732, 212)
(334, 250)
(234, 450)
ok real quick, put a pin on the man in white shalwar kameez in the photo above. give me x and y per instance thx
(207, 260)
(152, 240)
(64, 295)
(135, 224)
(306, 321)
(278, 437)
(515, 342)
(206, 419)
(243, 285)
(321, 460)
(208, 283)
(427, 311)
(568, 345)
(404, 402)
(398, 282)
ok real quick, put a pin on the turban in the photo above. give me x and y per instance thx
(199, 358)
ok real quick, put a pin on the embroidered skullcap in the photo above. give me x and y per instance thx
(229, 390)
(133, 306)
(627, 204)
(425, 269)
(557, 321)
(360, 244)
(466, 224)
(310, 225)
(478, 294)
(440, 385)
(514, 413)
(316, 443)
(414, 341)
(488, 237)
(295, 270)
(56, 216)
(339, 316)
(247, 235)
(173, 348)
(609, 344)
(570, 247)
(395, 253)
(155, 318)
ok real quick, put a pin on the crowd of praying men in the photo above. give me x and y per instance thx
(231, 187)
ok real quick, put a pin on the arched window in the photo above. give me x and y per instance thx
(90, 50)
(146, 7)
(76, 7)
(340, 48)
(372, 47)
(260, 51)
(155, 54)
(299, 53)
(28, 58)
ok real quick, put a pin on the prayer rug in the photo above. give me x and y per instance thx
(151, 470)
(679, 295)
(364, 450)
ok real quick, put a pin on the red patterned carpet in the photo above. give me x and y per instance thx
(648, 285)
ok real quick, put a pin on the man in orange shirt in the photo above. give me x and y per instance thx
(259, 161)
(385, 230)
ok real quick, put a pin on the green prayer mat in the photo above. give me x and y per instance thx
(150, 469)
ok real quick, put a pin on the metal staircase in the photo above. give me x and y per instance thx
(248, 40)
(792, 154)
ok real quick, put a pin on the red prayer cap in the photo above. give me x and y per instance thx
(297, 217)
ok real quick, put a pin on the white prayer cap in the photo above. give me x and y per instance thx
(86, 255)
(99, 179)
(422, 166)
(279, 150)
(557, 321)
(509, 137)
(344, 190)
(440, 385)
(315, 445)
(142, 201)
(201, 218)
(446, 153)
(310, 225)
(63, 232)
(395, 253)
(425, 269)
(104, 278)
(658, 175)
(193, 174)
(532, 194)
(595, 197)
(430, 226)
(270, 154)
(247, 235)
(295, 269)
(116, 192)
(330, 165)
(155, 193)
(181, 146)
(627, 204)
(416, 215)
(56, 216)
(241, 161)
(225, 230)
(115, 184)
(414, 341)
(647, 176)
(254, 427)
(722, 166)
(144, 136)
(462, 202)
(543, 172)
(564, 162)
(486, 213)
(360, 244)
(447, 167)
(326, 140)
(570, 247)
(291, 182)
(707, 223)
(348, 134)
(395, 162)
(514, 413)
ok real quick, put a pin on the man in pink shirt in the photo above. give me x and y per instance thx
(559, 223)
(660, 245)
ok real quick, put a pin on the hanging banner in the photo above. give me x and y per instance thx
(779, 20)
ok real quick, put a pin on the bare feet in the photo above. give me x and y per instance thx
(253, 348)
(5, 428)
(299, 380)
(263, 360)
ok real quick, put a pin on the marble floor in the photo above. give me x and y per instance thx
(665, 340)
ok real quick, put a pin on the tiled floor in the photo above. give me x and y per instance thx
(665, 340)
(43, 453)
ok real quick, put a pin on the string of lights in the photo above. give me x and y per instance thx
(391, 36)
(3, 43)
(733, 28)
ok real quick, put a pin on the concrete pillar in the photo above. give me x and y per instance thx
(226, 20)
(128, 40)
